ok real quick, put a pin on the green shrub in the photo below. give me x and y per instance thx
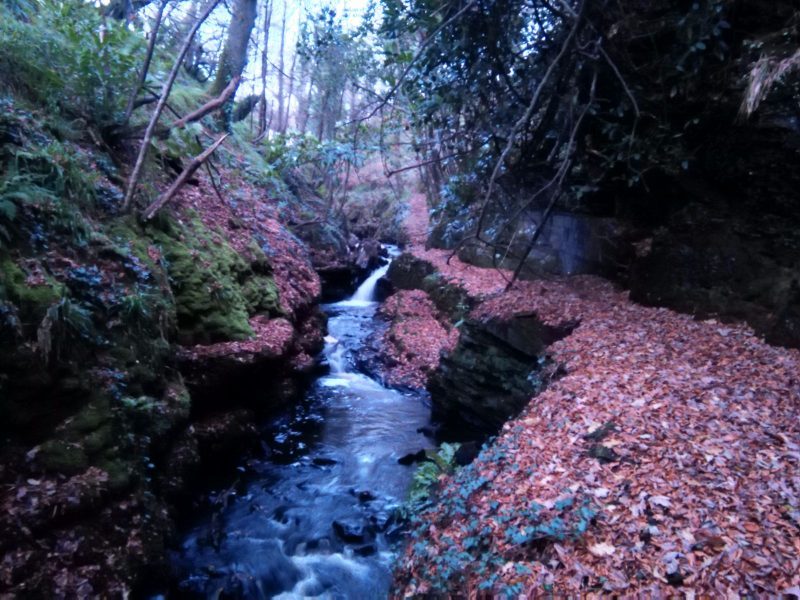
(66, 55)
(426, 477)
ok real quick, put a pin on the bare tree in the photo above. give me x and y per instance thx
(282, 73)
(289, 95)
(262, 108)
(234, 55)
(304, 97)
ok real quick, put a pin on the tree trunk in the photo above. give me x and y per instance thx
(289, 94)
(281, 73)
(262, 107)
(151, 45)
(304, 100)
(323, 109)
(234, 55)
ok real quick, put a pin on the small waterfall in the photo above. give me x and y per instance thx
(335, 353)
(364, 297)
(365, 293)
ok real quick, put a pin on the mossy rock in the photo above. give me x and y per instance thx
(31, 301)
(61, 456)
(156, 417)
(205, 275)
(449, 298)
(98, 440)
(127, 237)
(216, 289)
(261, 295)
(407, 272)
(93, 416)
(258, 259)
(120, 474)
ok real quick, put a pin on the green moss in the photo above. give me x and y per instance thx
(62, 456)
(129, 238)
(215, 289)
(99, 439)
(93, 416)
(449, 298)
(258, 260)
(31, 301)
(119, 474)
(261, 295)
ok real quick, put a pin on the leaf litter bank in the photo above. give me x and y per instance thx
(666, 460)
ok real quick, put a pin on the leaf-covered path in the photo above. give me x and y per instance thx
(667, 459)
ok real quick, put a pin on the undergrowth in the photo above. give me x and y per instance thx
(465, 557)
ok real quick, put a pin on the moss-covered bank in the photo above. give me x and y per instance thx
(99, 429)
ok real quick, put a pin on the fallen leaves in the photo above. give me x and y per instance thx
(662, 501)
(416, 336)
(272, 339)
(704, 496)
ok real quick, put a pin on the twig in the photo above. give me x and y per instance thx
(214, 181)
(523, 120)
(424, 163)
(197, 161)
(557, 180)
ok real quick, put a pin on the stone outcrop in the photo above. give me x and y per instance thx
(570, 244)
(497, 365)
(493, 372)
(711, 263)
(409, 272)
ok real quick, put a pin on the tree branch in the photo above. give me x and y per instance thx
(209, 106)
(416, 57)
(423, 163)
(151, 46)
(190, 169)
(558, 180)
(523, 120)
(162, 101)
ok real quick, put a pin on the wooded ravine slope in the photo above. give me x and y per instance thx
(599, 205)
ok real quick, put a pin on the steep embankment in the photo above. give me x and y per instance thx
(663, 460)
(119, 343)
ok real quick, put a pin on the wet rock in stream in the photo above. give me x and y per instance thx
(353, 531)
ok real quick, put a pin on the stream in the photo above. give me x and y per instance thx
(316, 517)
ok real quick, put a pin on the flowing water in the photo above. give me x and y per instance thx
(318, 516)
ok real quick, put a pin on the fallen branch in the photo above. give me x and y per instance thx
(423, 163)
(196, 163)
(162, 101)
(133, 104)
(209, 106)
